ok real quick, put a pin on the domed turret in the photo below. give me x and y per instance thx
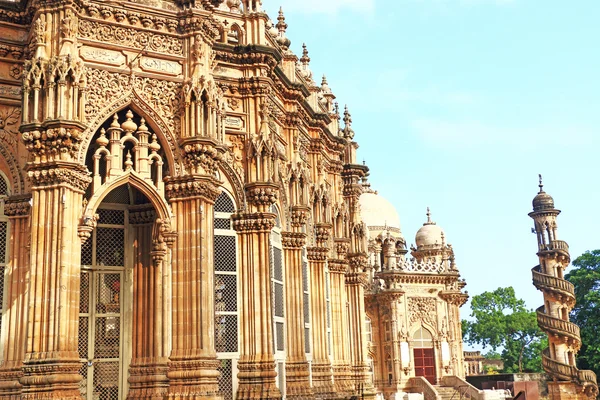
(429, 235)
(542, 201)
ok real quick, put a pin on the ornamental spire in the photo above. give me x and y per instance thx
(541, 185)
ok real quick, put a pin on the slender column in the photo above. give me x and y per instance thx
(51, 365)
(148, 368)
(193, 369)
(322, 376)
(257, 363)
(356, 281)
(339, 328)
(296, 366)
(16, 286)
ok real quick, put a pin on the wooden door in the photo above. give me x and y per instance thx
(425, 364)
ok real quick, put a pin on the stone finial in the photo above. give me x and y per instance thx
(541, 185)
(428, 213)
(281, 27)
(305, 59)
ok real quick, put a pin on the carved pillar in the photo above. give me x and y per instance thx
(193, 367)
(51, 366)
(356, 281)
(16, 287)
(339, 325)
(257, 363)
(296, 367)
(392, 299)
(148, 368)
(321, 366)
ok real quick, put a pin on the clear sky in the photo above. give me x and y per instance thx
(458, 105)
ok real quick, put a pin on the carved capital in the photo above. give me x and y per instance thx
(261, 194)
(322, 233)
(357, 278)
(202, 155)
(342, 246)
(59, 173)
(190, 186)
(317, 253)
(337, 266)
(87, 225)
(358, 262)
(293, 240)
(17, 206)
(299, 216)
(253, 222)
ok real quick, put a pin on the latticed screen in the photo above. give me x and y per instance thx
(226, 294)
(226, 379)
(100, 319)
(328, 311)
(306, 301)
(277, 287)
(3, 261)
(3, 187)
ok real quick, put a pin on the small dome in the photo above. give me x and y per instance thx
(377, 212)
(542, 201)
(429, 234)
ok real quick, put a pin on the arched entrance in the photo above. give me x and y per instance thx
(423, 355)
(118, 294)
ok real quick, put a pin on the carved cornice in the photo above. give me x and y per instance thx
(17, 206)
(262, 193)
(293, 240)
(359, 278)
(253, 222)
(59, 173)
(317, 254)
(454, 297)
(247, 55)
(191, 186)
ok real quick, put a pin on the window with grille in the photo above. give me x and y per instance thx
(328, 311)
(4, 191)
(306, 301)
(226, 294)
(278, 297)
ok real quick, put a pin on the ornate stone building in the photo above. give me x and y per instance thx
(568, 382)
(183, 216)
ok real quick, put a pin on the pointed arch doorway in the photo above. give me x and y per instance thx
(423, 355)
(120, 294)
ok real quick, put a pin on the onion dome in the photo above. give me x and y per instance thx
(129, 125)
(429, 235)
(542, 201)
(379, 215)
(102, 141)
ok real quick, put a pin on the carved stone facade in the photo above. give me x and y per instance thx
(182, 216)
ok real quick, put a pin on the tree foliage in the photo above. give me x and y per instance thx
(586, 277)
(501, 321)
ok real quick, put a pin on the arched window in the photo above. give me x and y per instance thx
(422, 339)
(226, 293)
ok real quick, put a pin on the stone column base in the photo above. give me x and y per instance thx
(343, 381)
(148, 379)
(10, 374)
(567, 391)
(322, 380)
(193, 380)
(51, 376)
(297, 383)
(257, 380)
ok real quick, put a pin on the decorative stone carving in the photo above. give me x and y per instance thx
(293, 240)
(130, 37)
(261, 194)
(74, 175)
(422, 309)
(253, 222)
(17, 206)
(193, 186)
(53, 143)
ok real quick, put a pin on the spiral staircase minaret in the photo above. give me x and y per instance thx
(568, 382)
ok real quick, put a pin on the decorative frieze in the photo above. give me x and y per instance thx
(131, 37)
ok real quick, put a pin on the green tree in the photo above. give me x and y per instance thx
(501, 321)
(586, 277)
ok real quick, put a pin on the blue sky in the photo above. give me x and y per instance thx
(458, 105)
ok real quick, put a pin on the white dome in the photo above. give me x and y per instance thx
(429, 234)
(378, 212)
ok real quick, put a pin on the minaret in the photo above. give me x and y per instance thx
(564, 341)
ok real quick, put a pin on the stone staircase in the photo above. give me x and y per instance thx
(447, 392)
